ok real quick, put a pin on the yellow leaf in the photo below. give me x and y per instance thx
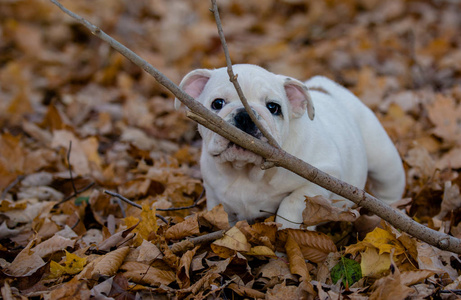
(261, 250)
(233, 240)
(146, 226)
(73, 265)
(384, 241)
(374, 264)
(56, 270)
(380, 239)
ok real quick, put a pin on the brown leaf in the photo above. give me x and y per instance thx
(78, 159)
(451, 199)
(412, 277)
(216, 218)
(146, 274)
(276, 268)
(259, 233)
(184, 229)
(11, 159)
(245, 291)
(118, 238)
(420, 159)
(315, 246)
(54, 244)
(110, 263)
(436, 260)
(25, 263)
(183, 275)
(295, 257)
(282, 291)
(445, 114)
(148, 252)
(261, 251)
(319, 209)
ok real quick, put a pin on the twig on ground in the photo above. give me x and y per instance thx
(69, 166)
(190, 243)
(234, 80)
(76, 192)
(280, 157)
(118, 196)
(207, 237)
(11, 185)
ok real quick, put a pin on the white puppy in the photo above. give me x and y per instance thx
(344, 139)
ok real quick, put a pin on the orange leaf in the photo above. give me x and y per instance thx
(315, 246)
(295, 257)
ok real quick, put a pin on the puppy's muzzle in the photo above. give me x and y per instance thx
(243, 122)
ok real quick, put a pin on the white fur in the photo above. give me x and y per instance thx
(344, 139)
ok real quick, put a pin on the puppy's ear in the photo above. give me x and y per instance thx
(299, 98)
(193, 84)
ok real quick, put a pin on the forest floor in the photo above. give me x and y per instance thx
(69, 101)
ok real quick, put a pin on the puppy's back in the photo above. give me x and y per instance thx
(385, 169)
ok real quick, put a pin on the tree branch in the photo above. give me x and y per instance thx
(280, 157)
(233, 78)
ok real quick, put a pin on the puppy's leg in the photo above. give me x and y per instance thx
(290, 210)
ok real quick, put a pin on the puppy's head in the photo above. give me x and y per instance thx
(275, 99)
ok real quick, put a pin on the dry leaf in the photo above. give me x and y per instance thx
(245, 291)
(261, 251)
(54, 244)
(315, 246)
(110, 263)
(78, 159)
(446, 116)
(412, 277)
(432, 259)
(183, 275)
(72, 265)
(296, 259)
(380, 239)
(451, 199)
(184, 229)
(25, 263)
(145, 274)
(148, 252)
(319, 209)
(216, 218)
(233, 240)
(117, 239)
(374, 264)
(147, 225)
(277, 268)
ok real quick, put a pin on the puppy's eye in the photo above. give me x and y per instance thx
(218, 104)
(274, 108)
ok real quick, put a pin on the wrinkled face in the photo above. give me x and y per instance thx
(275, 100)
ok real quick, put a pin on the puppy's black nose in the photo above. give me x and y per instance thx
(243, 122)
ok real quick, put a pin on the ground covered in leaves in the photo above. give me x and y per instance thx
(68, 101)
